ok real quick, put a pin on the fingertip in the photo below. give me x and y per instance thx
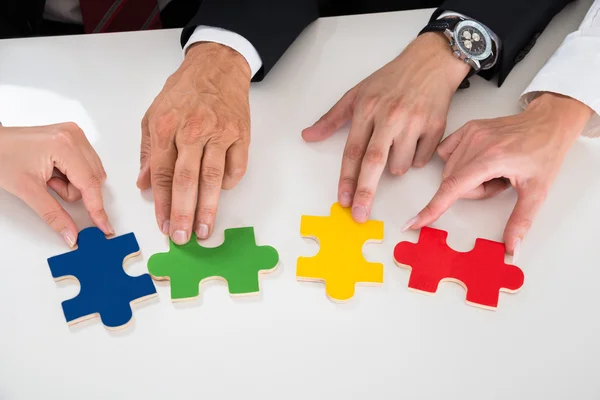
(69, 236)
(180, 237)
(109, 230)
(516, 249)
(102, 222)
(143, 180)
(345, 198)
(360, 213)
(311, 134)
(410, 223)
(202, 231)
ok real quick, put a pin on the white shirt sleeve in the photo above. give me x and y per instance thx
(574, 70)
(231, 39)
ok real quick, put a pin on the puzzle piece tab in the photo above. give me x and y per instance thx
(106, 290)
(482, 271)
(238, 261)
(340, 262)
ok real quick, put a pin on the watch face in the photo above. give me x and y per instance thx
(473, 39)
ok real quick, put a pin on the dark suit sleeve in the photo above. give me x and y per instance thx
(517, 23)
(270, 25)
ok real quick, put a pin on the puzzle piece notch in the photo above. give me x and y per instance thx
(238, 261)
(482, 271)
(340, 262)
(106, 290)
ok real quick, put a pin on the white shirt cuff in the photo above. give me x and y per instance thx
(574, 71)
(204, 33)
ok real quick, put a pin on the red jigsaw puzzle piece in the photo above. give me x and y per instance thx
(482, 271)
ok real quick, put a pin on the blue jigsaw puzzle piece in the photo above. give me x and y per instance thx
(105, 287)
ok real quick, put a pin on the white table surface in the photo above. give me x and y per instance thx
(291, 342)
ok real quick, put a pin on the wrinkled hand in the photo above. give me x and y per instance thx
(56, 156)
(525, 150)
(195, 139)
(399, 112)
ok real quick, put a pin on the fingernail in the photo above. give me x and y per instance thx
(166, 226)
(180, 237)
(346, 199)
(202, 231)
(516, 250)
(68, 237)
(359, 213)
(409, 223)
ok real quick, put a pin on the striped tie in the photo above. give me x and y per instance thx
(119, 15)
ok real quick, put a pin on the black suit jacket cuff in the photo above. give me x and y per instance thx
(271, 26)
(517, 23)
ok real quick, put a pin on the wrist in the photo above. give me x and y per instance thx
(454, 69)
(567, 114)
(223, 57)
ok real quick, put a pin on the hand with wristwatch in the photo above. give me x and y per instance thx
(398, 114)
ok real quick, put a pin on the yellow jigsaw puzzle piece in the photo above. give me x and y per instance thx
(340, 262)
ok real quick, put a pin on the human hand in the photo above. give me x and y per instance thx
(56, 156)
(399, 112)
(195, 139)
(525, 150)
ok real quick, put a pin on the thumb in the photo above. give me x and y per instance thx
(528, 204)
(333, 120)
(447, 147)
(49, 209)
(143, 180)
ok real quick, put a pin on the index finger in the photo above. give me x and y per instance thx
(452, 188)
(89, 182)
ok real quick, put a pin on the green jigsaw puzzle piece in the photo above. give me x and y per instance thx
(238, 261)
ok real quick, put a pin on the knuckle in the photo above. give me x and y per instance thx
(241, 127)
(354, 152)
(369, 103)
(211, 176)
(50, 217)
(192, 129)
(417, 120)
(185, 179)
(394, 110)
(65, 138)
(181, 218)
(523, 224)
(163, 177)
(347, 181)
(449, 184)
(437, 125)
(94, 182)
(164, 124)
(365, 193)
(398, 170)
(98, 213)
(206, 214)
(72, 128)
(374, 156)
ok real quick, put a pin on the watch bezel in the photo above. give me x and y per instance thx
(484, 32)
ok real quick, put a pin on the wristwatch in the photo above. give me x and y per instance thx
(469, 40)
